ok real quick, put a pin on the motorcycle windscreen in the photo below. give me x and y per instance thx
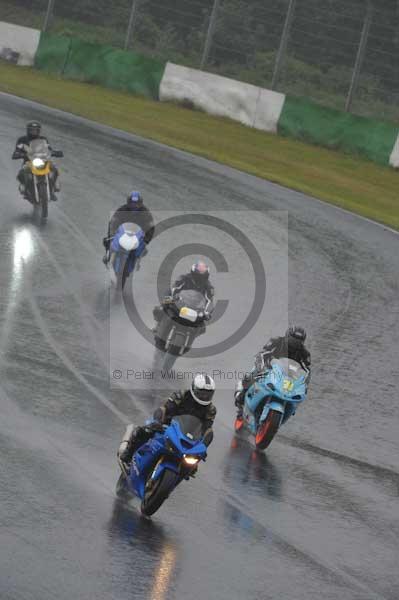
(290, 368)
(190, 426)
(39, 149)
(191, 299)
(130, 228)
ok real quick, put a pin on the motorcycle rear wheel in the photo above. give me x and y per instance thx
(267, 430)
(157, 494)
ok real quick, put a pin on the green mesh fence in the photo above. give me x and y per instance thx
(52, 53)
(310, 122)
(103, 65)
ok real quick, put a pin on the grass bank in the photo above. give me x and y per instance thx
(354, 184)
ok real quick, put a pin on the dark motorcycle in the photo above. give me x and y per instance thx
(183, 319)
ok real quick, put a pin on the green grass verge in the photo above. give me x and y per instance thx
(355, 184)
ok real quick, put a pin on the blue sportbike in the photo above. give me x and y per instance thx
(272, 399)
(127, 247)
(163, 462)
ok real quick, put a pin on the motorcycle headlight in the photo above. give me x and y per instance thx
(188, 313)
(190, 460)
(128, 242)
(38, 163)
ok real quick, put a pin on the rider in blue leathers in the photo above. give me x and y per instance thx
(291, 345)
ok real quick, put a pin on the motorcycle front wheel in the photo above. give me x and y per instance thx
(43, 200)
(267, 430)
(124, 277)
(156, 495)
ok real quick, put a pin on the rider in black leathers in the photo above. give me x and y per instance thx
(291, 345)
(133, 211)
(33, 131)
(196, 401)
(196, 279)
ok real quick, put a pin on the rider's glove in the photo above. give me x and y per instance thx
(155, 426)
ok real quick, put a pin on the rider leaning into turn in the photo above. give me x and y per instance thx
(195, 401)
(197, 279)
(291, 345)
(33, 132)
(133, 211)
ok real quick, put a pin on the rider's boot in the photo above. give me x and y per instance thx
(23, 191)
(239, 402)
(192, 473)
(54, 185)
(157, 313)
(125, 451)
(288, 412)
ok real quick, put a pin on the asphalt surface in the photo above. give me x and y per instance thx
(315, 516)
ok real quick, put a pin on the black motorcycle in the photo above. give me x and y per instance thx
(183, 319)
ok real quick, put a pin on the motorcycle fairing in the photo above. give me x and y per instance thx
(272, 405)
(158, 451)
(120, 260)
(120, 254)
(278, 388)
(40, 172)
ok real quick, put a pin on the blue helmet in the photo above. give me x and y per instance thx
(135, 200)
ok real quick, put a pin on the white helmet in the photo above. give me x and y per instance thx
(202, 389)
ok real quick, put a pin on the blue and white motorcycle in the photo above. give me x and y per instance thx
(272, 399)
(126, 249)
(163, 462)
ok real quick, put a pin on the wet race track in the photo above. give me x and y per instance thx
(316, 516)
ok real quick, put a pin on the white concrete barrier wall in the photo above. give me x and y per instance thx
(223, 97)
(24, 41)
(269, 108)
(394, 158)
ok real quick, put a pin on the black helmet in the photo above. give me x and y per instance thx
(202, 389)
(296, 332)
(33, 129)
(200, 272)
(135, 200)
